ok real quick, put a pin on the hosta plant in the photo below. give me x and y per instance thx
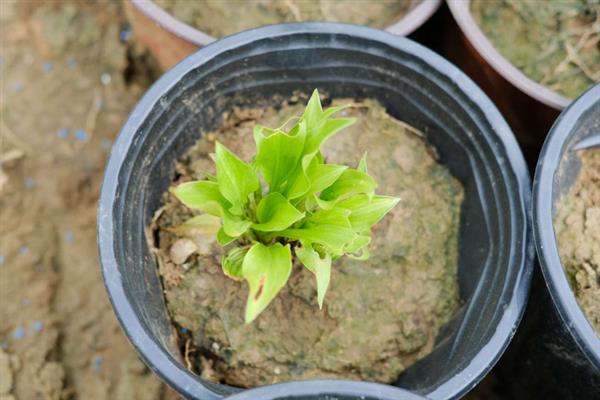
(287, 204)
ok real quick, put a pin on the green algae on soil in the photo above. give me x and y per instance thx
(577, 225)
(224, 17)
(380, 315)
(555, 43)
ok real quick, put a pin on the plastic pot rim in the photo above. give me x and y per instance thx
(562, 295)
(293, 389)
(462, 15)
(170, 369)
(405, 25)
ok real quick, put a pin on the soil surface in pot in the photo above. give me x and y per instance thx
(380, 315)
(221, 18)
(577, 225)
(556, 43)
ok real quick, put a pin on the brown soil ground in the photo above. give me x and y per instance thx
(556, 43)
(224, 17)
(380, 315)
(63, 100)
(577, 225)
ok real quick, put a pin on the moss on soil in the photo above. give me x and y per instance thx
(380, 316)
(224, 17)
(556, 43)
(577, 226)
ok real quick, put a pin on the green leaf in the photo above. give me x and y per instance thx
(202, 195)
(366, 211)
(323, 204)
(223, 238)
(333, 237)
(205, 196)
(324, 131)
(236, 179)
(350, 183)
(322, 176)
(362, 164)
(314, 177)
(278, 157)
(334, 216)
(313, 112)
(299, 180)
(318, 124)
(266, 269)
(358, 243)
(358, 249)
(205, 225)
(234, 226)
(232, 262)
(275, 213)
(321, 267)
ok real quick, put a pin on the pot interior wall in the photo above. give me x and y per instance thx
(568, 169)
(491, 246)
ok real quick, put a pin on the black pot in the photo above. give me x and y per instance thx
(564, 349)
(414, 84)
(326, 390)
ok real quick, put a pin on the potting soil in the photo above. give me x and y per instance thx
(577, 225)
(556, 43)
(221, 18)
(379, 317)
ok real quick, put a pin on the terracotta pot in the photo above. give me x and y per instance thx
(529, 107)
(171, 40)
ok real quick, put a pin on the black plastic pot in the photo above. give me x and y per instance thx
(416, 85)
(326, 390)
(565, 348)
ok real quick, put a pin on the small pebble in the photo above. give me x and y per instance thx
(37, 326)
(2, 259)
(24, 250)
(47, 67)
(72, 62)
(62, 133)
(19, 333)
(25, 301)
(277, 370)
(69, 236)
(181, 250)
(215, 346)
(105, 78)
(19, 87)
(105, 143)
(125, 33)
(81, 135)
(29, 182)
(97, 363)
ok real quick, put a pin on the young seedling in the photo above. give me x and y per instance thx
(306, 208)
